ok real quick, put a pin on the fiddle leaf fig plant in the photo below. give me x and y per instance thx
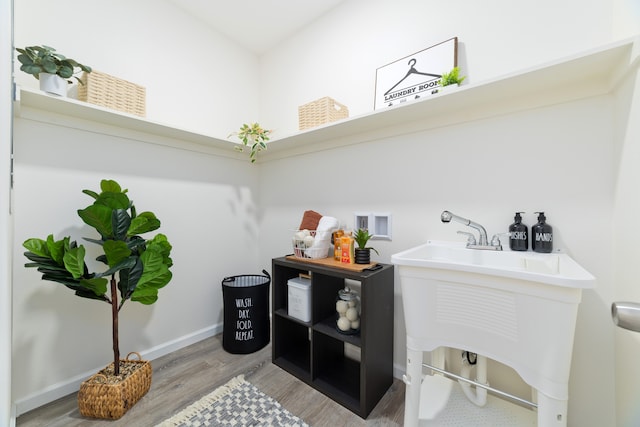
(136, 268)
(45, 59)
(252, 135)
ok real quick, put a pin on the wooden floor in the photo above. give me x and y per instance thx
(186, 375)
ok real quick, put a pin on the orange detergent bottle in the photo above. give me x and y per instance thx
(337, 244)
(347, 249)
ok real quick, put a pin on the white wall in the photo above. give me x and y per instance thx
(208, 211)
(558, 159)
(195, 78)
(626, 212)
(418, 176)
(625, 250)
(338, 55)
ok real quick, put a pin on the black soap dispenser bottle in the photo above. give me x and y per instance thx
(542, 235)
(518, 234)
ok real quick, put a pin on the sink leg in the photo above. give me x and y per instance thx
(551, 412)
(412, 379)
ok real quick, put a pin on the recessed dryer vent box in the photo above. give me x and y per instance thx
(378, 224)
(382, 226)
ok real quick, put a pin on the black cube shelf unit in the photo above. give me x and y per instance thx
(314, 351)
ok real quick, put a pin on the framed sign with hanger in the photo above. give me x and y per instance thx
(414, 76)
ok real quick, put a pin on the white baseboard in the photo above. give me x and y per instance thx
(72, 385)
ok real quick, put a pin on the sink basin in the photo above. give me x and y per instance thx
(553, 269)
(518, 308)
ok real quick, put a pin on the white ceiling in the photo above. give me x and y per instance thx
(258, 25)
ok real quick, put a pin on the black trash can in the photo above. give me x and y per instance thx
(246, 326)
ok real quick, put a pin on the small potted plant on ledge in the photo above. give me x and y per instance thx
(52, 69)
(451, 79)
(136, 268)
(362, 252)
(252, 135)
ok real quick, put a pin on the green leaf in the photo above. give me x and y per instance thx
(116, 251)
(149, 299)
(160, 244)
(158, 280)
(65, 71)
(42, 267)
(137, 244)
(143, 223)
(97, 285)
(156, 275)
(125, 264)
(96, 241)
(114, 200)
(99, 217)
(74, 261)
(91, 193)
(129, 279)
(87, 293)
(69, 282)
(110, 186)
(37, 246)
(147, 292)
(120, 221)
(49, 65)
(56, 249)
(146, 296)
(152, 259)
(24, 58)
(31, 69)
(40, 259)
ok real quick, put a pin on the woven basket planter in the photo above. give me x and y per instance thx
(321, 111)
(98, 398)
(112, 92)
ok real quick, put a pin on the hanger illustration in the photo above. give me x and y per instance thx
(412, 70)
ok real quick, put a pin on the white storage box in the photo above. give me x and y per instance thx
(299, 298)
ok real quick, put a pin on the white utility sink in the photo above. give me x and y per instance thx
(553, 269)
(518, 308)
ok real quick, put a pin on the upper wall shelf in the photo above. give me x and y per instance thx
(580, 76)
(592, 73)
(40, 106)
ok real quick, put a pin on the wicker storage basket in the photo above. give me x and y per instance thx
(112, 92)
(321, 111)
(98, 399)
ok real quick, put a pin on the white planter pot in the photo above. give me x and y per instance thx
(53, 84)
(448, 88)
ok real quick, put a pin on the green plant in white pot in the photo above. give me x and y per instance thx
(43, 62)
(135, 269)
(452, 78)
